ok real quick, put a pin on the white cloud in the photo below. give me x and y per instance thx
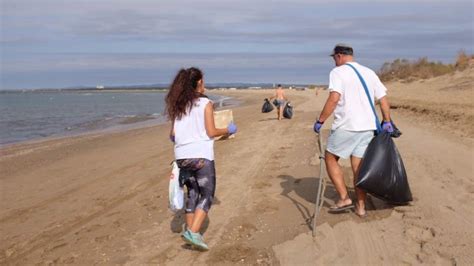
(146, 35)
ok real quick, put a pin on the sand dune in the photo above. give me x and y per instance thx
(445, 101)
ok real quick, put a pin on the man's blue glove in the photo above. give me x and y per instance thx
(317, 126)
(172, 138)
(387, 127)
(231, 128)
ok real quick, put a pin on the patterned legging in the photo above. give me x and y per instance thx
(199, 176)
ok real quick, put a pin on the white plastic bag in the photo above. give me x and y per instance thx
(176, 193)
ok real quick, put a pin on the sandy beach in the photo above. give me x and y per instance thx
(102, 198)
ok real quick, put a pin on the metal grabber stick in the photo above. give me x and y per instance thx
(322, 183)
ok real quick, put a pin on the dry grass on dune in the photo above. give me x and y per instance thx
(411, 70)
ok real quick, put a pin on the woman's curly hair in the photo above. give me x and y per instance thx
(182, 92)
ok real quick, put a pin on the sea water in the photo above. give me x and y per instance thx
(34, 115)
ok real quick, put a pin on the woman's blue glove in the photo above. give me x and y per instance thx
(387, 127)
(231, 128)
(317, 126)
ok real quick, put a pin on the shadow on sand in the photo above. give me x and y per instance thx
(306, 189)
(267, 119)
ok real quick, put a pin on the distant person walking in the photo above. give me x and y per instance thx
(193, 131)
(281, 100)
(354, 122)
(316, 91)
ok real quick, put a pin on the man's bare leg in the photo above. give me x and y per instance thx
(361, 194)
(337, 178)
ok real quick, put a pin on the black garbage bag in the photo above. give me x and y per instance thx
(267, 106)
(288, 111)
(276, 103)
(396, 132)
(382, 172)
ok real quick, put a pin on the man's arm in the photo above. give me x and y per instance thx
(385, 108)
(330, 105)
(274, 96)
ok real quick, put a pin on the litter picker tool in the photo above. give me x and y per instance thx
(322, 183)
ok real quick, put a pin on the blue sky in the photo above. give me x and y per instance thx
(52, 43)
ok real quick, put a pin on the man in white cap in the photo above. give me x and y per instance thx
(354, 121)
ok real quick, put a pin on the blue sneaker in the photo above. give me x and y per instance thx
(195, 239)
(185, 235)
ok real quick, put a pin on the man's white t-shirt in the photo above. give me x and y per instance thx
(353, 111)
(191, 139)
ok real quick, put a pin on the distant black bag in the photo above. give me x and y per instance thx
(382, 172)
(288, 111)
(276, 103)
(267, 106)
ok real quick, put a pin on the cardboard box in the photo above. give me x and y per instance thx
(222, 119)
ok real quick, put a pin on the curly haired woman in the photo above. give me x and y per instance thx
(193, 131)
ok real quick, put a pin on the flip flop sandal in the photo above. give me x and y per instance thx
(338, 209)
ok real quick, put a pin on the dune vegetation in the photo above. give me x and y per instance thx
(422, 68)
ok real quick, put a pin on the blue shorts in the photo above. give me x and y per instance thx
(280, 103)
(343, 143)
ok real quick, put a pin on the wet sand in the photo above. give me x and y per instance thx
(102, 199)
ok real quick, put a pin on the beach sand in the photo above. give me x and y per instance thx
(102, 198)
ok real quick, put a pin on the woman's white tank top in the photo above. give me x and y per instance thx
(191, 139)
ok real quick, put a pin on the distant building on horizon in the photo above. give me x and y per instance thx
(99, 87)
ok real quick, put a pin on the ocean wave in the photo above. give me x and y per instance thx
(110, 121)
(136, 119)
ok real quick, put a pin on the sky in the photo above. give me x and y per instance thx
(58, 43)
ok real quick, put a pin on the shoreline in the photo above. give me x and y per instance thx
(127, 124)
